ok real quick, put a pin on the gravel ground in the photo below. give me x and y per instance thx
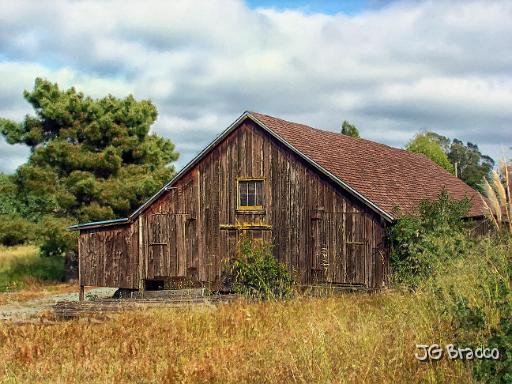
(31, 308)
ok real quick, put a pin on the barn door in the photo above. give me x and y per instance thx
(167, 246)
(319, 257)
(356, 246)
(328, 261)
(338, 248)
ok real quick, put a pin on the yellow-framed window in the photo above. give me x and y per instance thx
(250, 194)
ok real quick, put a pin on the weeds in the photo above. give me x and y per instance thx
(468, 281)
(256, 273)
(474, 295)
(22, 267)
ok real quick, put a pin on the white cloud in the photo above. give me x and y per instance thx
(393, 71)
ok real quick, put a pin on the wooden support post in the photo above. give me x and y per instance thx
(141, 256)
(201, 275)
(81, 291)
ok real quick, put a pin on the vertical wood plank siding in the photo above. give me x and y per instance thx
(321, 233)
(109, 256)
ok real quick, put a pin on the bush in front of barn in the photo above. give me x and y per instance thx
(473, 294)
(421, 242)
(256, 273)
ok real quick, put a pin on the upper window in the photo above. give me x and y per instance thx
(250, 194)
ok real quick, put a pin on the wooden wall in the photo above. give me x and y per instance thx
(319, 232)
(109, 256)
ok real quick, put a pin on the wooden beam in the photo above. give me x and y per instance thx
(247, 226)
(199, 229)
(81, 290)
(141, 254)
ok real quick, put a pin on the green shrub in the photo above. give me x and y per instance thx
(15, 230)
(255, 272)
(55, 239)
(497, 281)
(425, 240)
(497, 371)
(8, 200)
(50, 232)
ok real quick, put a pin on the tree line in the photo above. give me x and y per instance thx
(463, 160)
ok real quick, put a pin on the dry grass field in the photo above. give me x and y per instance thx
(351, 338)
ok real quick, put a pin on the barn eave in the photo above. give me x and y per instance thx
(96, 224)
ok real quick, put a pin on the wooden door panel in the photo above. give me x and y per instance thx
(192, 257)
(318, 255)
(158, 245)
(168, 245)
(356, 248)
(181, 245)
(338, 253)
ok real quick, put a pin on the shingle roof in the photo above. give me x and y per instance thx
(388, 177)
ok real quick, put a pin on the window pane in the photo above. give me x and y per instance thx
(243, 193)
(251, 194)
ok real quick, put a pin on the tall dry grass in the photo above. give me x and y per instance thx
(352, 338)
(499, 200)
(21, 267)
(8, 255)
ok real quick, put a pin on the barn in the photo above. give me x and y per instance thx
(322, 199)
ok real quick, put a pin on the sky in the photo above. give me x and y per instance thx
(391, 68)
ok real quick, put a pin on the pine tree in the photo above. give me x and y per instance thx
(91, 159)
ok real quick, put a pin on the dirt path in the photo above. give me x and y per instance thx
(23, 310)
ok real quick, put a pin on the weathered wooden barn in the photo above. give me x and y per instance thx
(323, 199)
